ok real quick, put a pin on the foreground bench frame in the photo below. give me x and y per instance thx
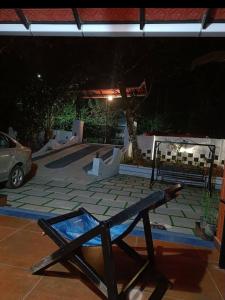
(68, 253)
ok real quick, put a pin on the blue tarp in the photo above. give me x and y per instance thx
(73, 228)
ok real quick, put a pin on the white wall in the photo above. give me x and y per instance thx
(62, 135)
(146, 143)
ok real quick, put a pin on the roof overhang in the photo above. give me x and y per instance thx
(113, 22)
(139, 91)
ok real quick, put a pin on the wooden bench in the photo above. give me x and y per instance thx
(107, 232)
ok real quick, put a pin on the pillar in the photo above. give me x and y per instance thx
(77, 130)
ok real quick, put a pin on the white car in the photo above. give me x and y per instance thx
(15, 161)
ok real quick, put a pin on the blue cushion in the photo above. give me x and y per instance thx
(73, 228)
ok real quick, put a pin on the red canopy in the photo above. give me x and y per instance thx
(113, 21)
(115, 93)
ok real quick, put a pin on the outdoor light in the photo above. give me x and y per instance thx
(38, 75)
(110, 98)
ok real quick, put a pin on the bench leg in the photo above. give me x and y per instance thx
(109, 265)
(148, 237)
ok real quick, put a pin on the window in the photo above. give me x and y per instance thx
(3, 142)
(6, 142)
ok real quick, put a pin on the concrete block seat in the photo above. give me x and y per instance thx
(106, 168)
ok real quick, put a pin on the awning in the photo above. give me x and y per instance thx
(113, 22)
(139, 91)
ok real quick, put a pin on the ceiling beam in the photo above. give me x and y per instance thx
(207, 17)
(77, 18)
(23, 18)
(142, 18)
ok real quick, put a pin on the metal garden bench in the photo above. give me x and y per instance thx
(74, 230)
(194, 176)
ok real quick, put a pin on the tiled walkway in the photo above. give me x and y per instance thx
(106, 198)
(193, 271)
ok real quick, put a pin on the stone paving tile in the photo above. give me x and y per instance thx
(132, 190)
(104, 196)
(95, 209)
(113, 181)
(80, 193)
(197, 209)
(98, 189)
(183, 222)
(113, 203)
(140, 187)
(180, 230)
(60, 211)
(191, 199)
(113, 211)
(13, 197)
(107, 183)
(169, 211)
(59, 190)
(78, 187)
(122, 193)
(173, 201)
(62, 204)
(38, 193)
(187, 201)
(40, 180)
(96, 184)
(85, 199)
(129, 199)
(15, 191)
(101, 217)
(34, 186)
(164, 206)
(115, 187)
(34, 200)
(160, 219)
(140, 195)
(193, 194)
(36, 207)
(14, 203)
(89, 195)
(192, 214)
(179, 206)
(59, 183)
(60, 196)
(122, 185)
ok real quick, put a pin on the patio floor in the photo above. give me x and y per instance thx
(106, 198)
(193, 271)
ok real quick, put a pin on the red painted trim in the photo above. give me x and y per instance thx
(8, 15)
(107, 15)
(178, 14)
(219, 14)
(42, 15)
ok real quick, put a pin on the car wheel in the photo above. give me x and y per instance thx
(16, 178)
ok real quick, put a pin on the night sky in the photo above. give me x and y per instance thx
(192, 100)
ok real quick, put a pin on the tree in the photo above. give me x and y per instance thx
(123, 67)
